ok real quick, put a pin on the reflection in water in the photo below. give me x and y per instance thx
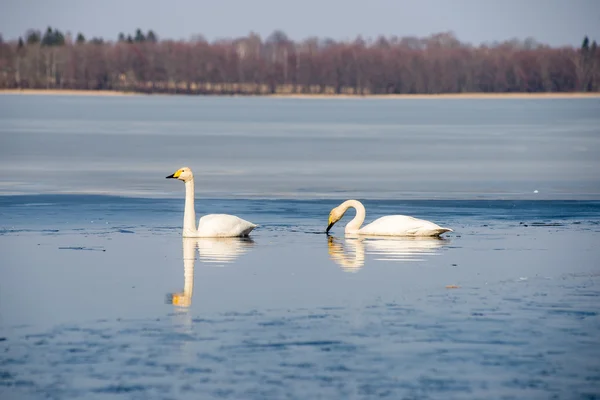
(222, 250)
(341, 256)
(350, 255)
(210, 250)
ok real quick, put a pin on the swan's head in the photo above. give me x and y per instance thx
(183, 174)
(334, 216)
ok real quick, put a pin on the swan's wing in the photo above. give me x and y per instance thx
(402, 225)
(223, 225)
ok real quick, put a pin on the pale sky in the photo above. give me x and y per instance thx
(554, 22)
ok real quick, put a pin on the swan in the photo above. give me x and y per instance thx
(390, 225)
(212, 225)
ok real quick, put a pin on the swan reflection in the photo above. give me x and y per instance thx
(214, 251)
(350, 254)
(222, 250)
(351, 258)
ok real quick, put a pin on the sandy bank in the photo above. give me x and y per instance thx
(574, 95)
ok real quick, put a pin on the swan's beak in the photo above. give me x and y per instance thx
(329, 227)
(330, 224)
(175, 175)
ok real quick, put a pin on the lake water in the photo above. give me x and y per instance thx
(100, 297)
(299, 148)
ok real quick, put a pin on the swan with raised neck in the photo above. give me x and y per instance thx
(211, 225)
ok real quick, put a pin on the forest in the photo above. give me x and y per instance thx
(438, 64)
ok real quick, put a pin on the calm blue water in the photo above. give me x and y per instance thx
(292, 313)
(293, 148)
(100, 297)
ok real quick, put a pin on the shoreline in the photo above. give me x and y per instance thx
(545, 95)
(416, 196)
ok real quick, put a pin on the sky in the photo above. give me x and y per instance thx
(553, 22)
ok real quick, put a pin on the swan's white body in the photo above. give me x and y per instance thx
(390, 225)
(212, 225)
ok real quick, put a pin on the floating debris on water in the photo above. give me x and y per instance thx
(81, 248)
(546, 224)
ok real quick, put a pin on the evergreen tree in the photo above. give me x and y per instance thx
(59, 38)
(53, 38)
(48, 37)
(586, 63)
(139, 36)
(151, 37)
(33, 37)
(585, 46)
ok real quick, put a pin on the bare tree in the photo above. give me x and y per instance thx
(248, 65)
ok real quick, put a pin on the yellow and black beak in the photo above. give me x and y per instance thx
(175, 175)
(331, 223)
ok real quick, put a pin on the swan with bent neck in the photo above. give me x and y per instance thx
(211, 225)
(390, 225)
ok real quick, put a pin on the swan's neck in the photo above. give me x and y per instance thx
(354, 225)
(189, 213)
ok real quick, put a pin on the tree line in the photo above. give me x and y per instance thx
(440, 63)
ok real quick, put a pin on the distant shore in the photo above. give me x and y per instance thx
(545, 95)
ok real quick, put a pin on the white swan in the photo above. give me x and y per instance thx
(212, 225)
(390, 225)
